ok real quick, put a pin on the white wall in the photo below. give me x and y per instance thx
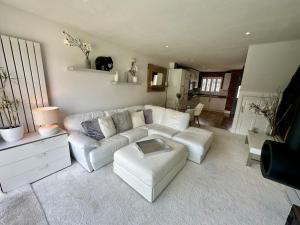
(80, 91)
(268, 69)
(270, 66)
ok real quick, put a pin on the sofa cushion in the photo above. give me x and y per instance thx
(122, 121)
(103, 154)
(135, 134)
(92, 129)
(157, 113)
(176, 120)
(150, 170)
(197, 142)
(73, 122)
(162, 130)
(148, 116)
(107, 126)
(137, 119)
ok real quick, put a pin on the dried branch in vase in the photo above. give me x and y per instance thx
(268, 108)
(76, 42)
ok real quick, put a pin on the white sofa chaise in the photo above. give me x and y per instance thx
(92, 154)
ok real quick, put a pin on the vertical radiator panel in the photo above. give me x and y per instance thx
(22, 60)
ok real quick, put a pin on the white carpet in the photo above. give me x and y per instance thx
(222, 190)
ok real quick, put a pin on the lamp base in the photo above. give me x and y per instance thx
(48, 130)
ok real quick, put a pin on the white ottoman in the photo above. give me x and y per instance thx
(151, 174)
(197, 141)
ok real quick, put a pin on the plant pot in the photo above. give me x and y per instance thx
(88, 63)
(12, 134)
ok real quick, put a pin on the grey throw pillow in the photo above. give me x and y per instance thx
(92, 129)
(148, 116)
(122, 121)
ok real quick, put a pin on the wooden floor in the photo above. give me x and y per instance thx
(215, 119)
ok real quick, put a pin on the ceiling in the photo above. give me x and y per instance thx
(204, 34)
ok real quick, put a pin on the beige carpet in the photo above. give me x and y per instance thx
(222, 190)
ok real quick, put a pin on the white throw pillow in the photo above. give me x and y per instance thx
(107, 126)
(137, 119)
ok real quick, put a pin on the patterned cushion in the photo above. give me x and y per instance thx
(92, 129)
(148, 116)
(122, 121)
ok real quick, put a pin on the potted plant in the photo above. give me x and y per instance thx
(12, 131)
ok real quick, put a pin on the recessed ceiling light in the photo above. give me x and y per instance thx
(167, 46)
(247, 33)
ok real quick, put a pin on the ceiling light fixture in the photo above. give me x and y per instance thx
(167, 46)
(247, 33)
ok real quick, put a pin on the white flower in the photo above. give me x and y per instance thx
(66, 42)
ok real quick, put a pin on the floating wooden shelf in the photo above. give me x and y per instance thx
(82, 69)
(124, 83)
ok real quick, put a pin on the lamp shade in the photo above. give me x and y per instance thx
(45, 115)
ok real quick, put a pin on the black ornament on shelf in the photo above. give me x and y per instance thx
(104, 63)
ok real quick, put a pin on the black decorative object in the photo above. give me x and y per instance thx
(281, 161)
(104, 63)
(286, 109)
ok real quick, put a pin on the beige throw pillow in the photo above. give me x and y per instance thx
(107, 126)
(138, 119)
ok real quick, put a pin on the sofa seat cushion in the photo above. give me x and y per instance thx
(176, 120)
(162, 130)
(197, 142)
(150, 169)
(103, 154)
(135, 134)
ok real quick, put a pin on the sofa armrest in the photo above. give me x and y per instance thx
(80, 140)
(81, 145)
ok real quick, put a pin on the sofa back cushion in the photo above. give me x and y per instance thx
(130, 109)
(176, 120)
(73, 122)
(157, 113)
(122, 121)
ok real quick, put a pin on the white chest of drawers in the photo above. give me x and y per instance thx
(32, 158)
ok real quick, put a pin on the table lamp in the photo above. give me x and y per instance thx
(46, 118)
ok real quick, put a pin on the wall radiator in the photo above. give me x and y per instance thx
(22, 60)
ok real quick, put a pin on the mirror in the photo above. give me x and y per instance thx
(157, 77)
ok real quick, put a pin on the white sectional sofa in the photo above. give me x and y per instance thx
(92, 154)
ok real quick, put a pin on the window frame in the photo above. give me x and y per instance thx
(214, 83)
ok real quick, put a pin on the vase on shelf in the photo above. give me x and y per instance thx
(88, 63)
(134, 79)
(116, 77)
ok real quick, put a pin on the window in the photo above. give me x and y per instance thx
(211, 84)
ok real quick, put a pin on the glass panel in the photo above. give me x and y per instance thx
(219, 82)
(213, 85)
(208, 84)
(203, 84)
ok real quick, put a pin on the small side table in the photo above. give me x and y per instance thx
(255, 142)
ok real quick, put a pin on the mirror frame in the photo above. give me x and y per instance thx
(158, 69)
